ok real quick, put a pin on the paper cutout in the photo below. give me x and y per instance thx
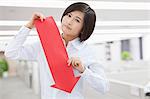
(56, 55)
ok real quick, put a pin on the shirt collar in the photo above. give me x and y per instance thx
(76, 43)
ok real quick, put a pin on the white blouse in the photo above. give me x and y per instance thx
(93, 75)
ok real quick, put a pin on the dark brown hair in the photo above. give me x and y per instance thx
(89, 18)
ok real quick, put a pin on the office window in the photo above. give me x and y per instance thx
(141, 47)
(125, 45)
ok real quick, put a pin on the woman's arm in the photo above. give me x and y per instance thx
(95, 76)
(16, 48)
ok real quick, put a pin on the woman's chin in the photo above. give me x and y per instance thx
(66, 32)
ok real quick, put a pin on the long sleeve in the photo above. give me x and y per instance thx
(95, 76)
(16, 48)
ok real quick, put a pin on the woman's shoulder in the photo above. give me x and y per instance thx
(89, 50)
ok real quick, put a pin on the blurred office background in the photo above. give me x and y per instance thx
(121, 40)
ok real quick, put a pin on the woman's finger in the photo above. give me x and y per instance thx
(37, 15)
(42, 17)
(69, 61)
(74, 63)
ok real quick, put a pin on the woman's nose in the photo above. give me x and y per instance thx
(70, 21)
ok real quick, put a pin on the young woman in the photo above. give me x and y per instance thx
(77, 24)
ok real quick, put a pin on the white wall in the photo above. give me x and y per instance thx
(116, 51)
(135, 48)
(35, 78)
(2, 45)
(146, 47)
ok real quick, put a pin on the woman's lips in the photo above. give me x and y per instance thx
(67, 27)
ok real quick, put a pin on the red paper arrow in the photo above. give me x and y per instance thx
(56, 55)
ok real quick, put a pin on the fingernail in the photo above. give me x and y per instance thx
(68, 65)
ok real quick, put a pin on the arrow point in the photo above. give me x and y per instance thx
(67, 87)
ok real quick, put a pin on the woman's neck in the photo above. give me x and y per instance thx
(67, 39)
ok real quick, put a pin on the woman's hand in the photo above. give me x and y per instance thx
(77, 64)
(35, 16)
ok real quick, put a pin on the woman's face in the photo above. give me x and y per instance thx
(72, 24)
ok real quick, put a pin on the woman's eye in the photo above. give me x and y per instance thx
(77, 20)
(68, 15)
